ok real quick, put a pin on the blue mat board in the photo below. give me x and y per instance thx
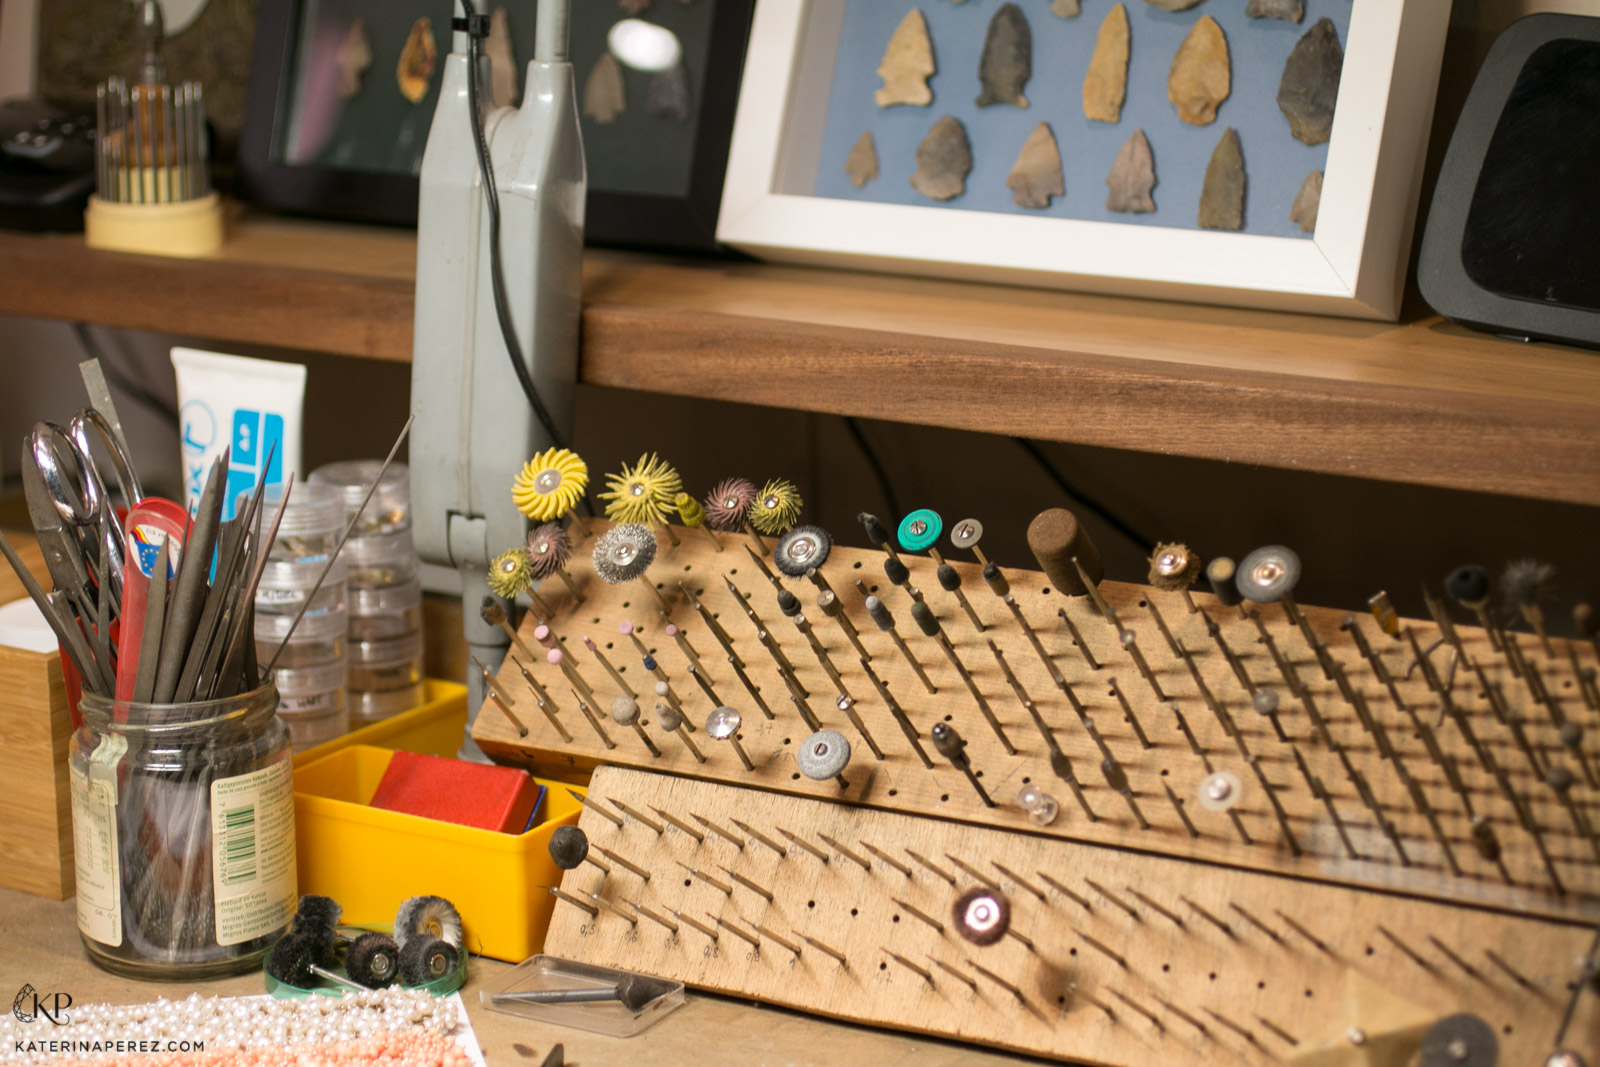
(1275, 163)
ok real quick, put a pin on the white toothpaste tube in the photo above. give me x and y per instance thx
(251, 407)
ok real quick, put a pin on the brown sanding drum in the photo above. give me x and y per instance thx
(1056, 536)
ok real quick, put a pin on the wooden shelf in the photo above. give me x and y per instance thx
(1422, 401)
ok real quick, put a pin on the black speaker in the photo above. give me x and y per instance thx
(1512, 243)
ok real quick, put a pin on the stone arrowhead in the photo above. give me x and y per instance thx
(1310, 84)
(417, 60)
(1007, 62)
(354, 56)
(1201, 79)
(944, 159)
(1306, 202)
(1173, 5)
(1036, 177)
(907, 64)
(862, 162)
(669, 94)
(1287, 10)
(1222, 196)
(1067, 9)
(1105, 87)
(1132, 177)
(603, 95)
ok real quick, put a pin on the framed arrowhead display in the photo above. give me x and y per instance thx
(1265, 154)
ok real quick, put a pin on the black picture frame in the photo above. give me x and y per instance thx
(624, 219)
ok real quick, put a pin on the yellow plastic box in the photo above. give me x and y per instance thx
(370, 860)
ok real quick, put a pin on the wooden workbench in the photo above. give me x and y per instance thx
(42, 949)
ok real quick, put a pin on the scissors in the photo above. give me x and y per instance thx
(75, 596)
(74, 521)
(128, 484)
(127, 479)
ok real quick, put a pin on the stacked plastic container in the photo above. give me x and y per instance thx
(385, 590)
(310, 672)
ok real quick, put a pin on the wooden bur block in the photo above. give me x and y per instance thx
(1382, 762)
(1123, 960)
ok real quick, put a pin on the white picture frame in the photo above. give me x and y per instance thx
(1354, 264)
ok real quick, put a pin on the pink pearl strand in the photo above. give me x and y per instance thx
(406, 1049)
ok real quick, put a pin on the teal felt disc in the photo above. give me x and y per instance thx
(920, 530)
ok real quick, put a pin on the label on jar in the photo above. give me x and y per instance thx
(94, 843)
(252, 852)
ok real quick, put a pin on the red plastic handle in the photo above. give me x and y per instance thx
(148, 524)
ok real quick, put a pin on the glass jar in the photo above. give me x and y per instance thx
(183, 826)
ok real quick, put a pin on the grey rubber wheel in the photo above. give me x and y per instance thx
(823, 755)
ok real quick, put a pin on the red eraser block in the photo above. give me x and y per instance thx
(455, 791)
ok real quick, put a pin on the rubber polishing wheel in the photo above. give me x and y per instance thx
(1468, 584)
(569, 847)
(1056, 536)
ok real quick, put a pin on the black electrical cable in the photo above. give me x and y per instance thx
(878, 472)
(115, 376)
(1111, 519)
(476, 29)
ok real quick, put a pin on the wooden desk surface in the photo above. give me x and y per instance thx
(42, 949)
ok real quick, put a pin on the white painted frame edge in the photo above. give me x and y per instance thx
(1354, 264)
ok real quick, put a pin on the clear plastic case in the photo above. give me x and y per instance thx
(311, 690)
(311, 524)
(368, 706)
(609, 1017)
(381, 560)
(319, 639)
(284, 587)
(310, 729)
(390, 507)
(386, 611)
